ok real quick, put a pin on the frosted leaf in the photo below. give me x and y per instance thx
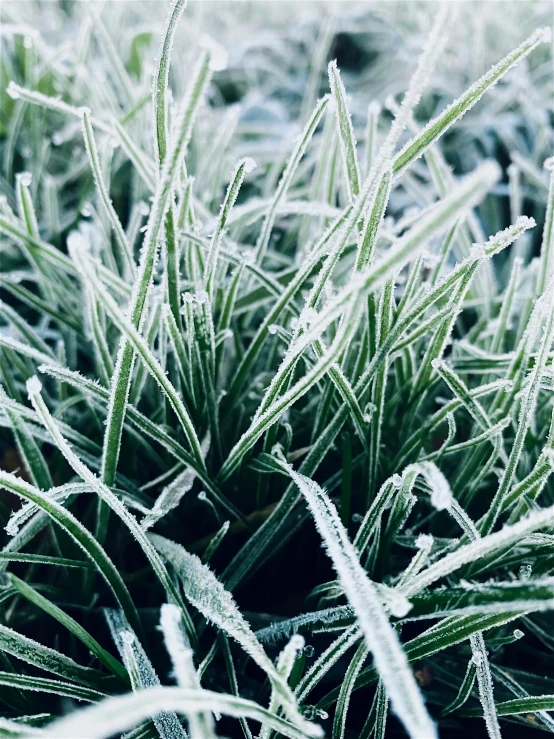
(441, 495)
(389, 657)
(141, 672)
(308, 315)
(550, 456)
(171, 495)
(477, 251)
(207, 594)
(201, 723)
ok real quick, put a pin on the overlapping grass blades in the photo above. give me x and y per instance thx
(340, 305)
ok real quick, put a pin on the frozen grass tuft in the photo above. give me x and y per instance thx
(274, 276)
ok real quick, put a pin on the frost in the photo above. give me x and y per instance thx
(127, 637)
(201, 723)
(424, 541)
(140, 670)
(11, 528)
(34, 386)
(207, 594)
(382, 640)
(171, 495)
(441, 495)
(25, 178)
(477, 252)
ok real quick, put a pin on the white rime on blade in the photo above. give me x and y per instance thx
(382, 640)
(201, 723)
(140, 670)
(171, 495)
(207, 594)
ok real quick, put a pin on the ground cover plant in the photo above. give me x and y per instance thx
(277, 322)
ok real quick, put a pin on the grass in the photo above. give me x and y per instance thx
(281, 284)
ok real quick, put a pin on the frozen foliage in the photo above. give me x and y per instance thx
(265, 266)
(380, 637)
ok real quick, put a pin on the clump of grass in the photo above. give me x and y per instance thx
(222, 346)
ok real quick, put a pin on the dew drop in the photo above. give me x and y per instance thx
(12, 91)
(25, 178)
(309, 651)
(525, 572)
